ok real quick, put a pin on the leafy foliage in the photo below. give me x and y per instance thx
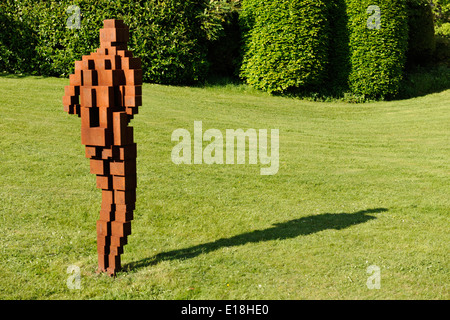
(170, 36)
(444, 30)
(441, 11)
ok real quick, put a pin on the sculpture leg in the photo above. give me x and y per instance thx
(107, 215)
(123, 173)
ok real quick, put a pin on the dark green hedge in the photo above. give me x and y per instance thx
(286, 44)
(224, 53)
(377, 55)
(168, 35)
(17, 38)
(421, 44)
(339, 55)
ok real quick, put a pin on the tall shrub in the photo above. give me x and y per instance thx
(377, 55)
(286, 44)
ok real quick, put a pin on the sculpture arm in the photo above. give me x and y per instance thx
(71, 98)
(132, 90)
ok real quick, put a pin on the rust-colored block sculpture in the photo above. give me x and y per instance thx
(106, 91)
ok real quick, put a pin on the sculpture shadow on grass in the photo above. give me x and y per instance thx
(279, 231)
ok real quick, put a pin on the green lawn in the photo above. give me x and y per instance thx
(358, 185)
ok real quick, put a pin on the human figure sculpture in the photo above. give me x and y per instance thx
(105, 91)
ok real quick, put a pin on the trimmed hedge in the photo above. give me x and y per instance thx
(170, 36)
(378, 56)
(286, 44)
(324, 46)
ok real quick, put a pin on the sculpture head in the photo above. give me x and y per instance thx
(114, 34)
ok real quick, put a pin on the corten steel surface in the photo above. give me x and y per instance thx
(105, 91)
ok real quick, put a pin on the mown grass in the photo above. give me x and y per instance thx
(358, 185)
